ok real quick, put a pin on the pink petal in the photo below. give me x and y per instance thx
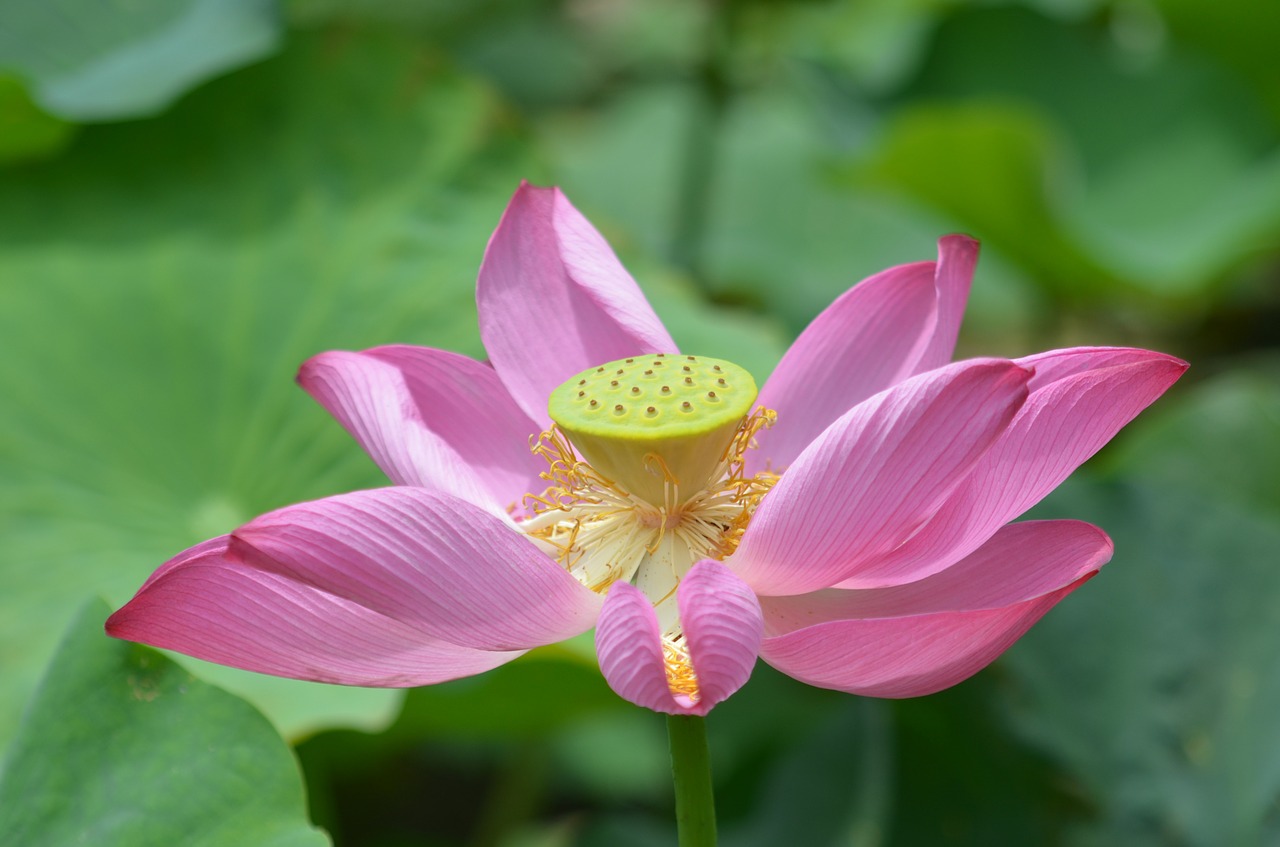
(1020, 562)
(869, 481)
(873, 336)
(431, 418)
(398, 586)
(427, 559)
(629, 646)
(957, 259)
(212, 604)
(722, 627)
(864, 342)
(554, 300)
(1093, 393)
(908, 656)
(1055, 365)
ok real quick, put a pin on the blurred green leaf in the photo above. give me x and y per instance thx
(1110, 97)
(990, 166)
(532, 697)
(626, 830)
(1220, 439)
(1241, 34)
(1174, 216)
(26, 131)
(540, 53)
(1137, 160)
(93, 61)
(831, 788)
(745, 337)
(529, 51)
(962, 776)
(440, 13)
(1158, 685)
(619, 756)
(554, 835)
(120, 746)
(782, 234)
(163, 281)
(620, 163)
(868, 46)
(783, 231)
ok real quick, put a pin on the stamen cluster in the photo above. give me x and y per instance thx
(602, 532)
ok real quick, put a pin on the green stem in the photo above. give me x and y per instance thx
(691, 771)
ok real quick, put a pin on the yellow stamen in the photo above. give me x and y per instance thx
(681, 678)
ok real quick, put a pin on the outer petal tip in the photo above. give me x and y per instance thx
(306, 371)
(958, 243)
(117, 623)
(866, 341)
(553, 299)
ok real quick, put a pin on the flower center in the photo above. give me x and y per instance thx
(660, 482)
(653, 421)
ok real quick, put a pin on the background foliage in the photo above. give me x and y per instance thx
(196, 196)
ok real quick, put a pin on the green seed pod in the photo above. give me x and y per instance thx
(651, 421)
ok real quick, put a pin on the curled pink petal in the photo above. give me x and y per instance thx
(210, 603)
(898, 323)
(1056, 365)
(431, 418)
(1093, 393)
(629, 647)
(722, 628)
(554, 300)
(907, 656)
(957, 259)
(1020, 562)
(431, 560)
(864, 342)
(869, 481)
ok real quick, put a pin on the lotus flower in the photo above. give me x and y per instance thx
(852, 529)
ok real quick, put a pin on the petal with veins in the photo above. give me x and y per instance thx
(908, 656)
(395, 586)
(723, 626)
(554, 300)
(872, 477)
(864, 342)
(210, 603)
(957, 259)
(1022, 561)
(431, 418)
(629, 647)
(1093, 392)
(898, 323)
(428, 559)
